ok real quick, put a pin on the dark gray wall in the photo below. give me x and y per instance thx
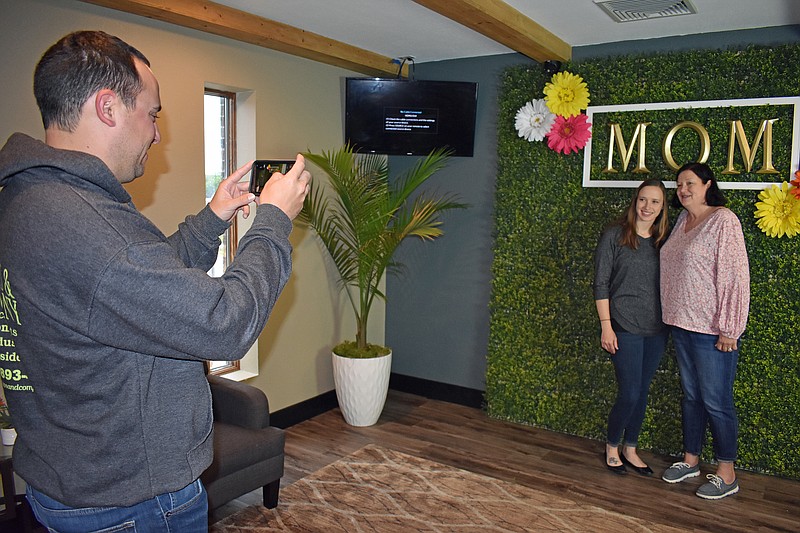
(705, 41)
(437, 313)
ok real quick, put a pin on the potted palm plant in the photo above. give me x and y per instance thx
(361, 221)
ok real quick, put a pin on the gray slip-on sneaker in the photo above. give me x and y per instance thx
(680, 471)
(716, 489)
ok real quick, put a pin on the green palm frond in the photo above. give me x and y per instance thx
(361, 219)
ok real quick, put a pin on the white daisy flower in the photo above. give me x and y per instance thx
(534, 120)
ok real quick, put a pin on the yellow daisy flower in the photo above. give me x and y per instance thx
(778, 212)
(566, 94)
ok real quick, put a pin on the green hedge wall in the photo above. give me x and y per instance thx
(545, 364)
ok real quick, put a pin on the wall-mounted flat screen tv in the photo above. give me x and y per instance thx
(402, 117)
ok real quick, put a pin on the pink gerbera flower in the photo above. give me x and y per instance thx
(569, 134)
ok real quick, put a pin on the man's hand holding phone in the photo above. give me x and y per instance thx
(287, 191)
(232, 195)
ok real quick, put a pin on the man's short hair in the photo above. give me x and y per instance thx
(79, 65)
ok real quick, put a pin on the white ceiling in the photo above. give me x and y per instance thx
(397, 28)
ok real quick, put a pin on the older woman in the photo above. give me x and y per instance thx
(705, 298)
(627, 300)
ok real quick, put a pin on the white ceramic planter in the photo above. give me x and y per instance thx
(9, 436)
(361, 387)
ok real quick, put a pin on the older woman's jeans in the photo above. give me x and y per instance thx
(635, 364)
(182, 511)
(707, 376)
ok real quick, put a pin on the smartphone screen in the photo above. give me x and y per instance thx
(262, 171)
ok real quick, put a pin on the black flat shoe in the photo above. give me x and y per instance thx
(641, 470)
(620, 470)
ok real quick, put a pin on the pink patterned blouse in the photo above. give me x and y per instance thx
(705, 276)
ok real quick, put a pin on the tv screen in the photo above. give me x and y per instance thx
(402, 117)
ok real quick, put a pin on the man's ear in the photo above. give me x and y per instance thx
(105, 105)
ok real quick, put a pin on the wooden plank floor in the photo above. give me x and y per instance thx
(563, 465)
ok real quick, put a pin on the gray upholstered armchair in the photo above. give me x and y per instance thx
(248, 452)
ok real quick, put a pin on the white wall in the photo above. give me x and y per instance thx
(298, 108)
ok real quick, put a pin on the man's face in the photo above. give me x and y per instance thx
(140, 130)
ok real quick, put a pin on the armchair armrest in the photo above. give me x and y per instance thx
(238, 403)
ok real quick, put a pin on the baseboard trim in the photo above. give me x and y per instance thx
(300, 412)
(433, 390)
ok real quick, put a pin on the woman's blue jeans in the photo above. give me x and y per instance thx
(635, 364)
(182, 511)
(707, 377)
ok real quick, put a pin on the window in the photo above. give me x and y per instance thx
(220, 162)
(220, 152)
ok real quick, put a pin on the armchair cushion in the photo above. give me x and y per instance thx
(240, 448)
(248, 452)
(238, 403)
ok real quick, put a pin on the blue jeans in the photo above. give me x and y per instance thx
(707, 376)
(182, 511)
(635, 364)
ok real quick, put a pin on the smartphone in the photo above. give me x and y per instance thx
(263, 169)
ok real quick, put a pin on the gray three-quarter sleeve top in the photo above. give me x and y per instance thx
(629, 279)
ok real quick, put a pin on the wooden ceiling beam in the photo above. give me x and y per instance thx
(245, 27)
(502, 23)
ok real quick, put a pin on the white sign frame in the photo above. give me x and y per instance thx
(742, 102)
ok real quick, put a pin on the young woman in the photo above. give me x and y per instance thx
(626, 292)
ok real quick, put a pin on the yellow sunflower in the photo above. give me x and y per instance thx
(778, 212)
(566, 94)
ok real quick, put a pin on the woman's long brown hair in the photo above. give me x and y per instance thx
(660, 228)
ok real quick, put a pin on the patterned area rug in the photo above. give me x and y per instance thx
(380, 490)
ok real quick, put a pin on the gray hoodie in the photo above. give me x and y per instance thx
(105, 322)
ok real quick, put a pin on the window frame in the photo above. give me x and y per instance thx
(231, 237)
